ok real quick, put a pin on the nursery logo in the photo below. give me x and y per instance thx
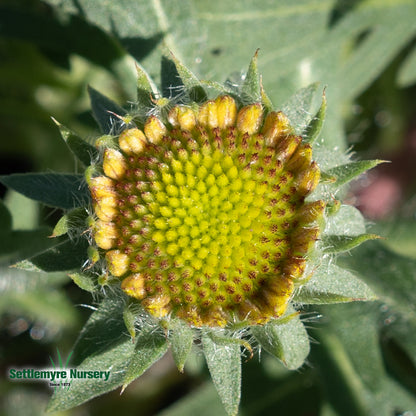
(59, 375)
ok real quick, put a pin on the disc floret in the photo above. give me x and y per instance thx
(203, 215)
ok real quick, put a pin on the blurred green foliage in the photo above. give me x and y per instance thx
(363, 51)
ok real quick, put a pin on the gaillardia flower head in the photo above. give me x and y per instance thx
(210, 220)
(203, 215)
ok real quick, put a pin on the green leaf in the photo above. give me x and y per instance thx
(399, 236)
(298, 107)
(379, 39)
(5, 219)
(193, 86)
(171, 81)
(327, 410)
(223, 357)
(21, 244)
(64, 255)
(342, 243)
(17, 245)
(130, 318)
(97, 335)
(301, 43)
(195, 365)
(83, 281)
(24, 211)
(106, 112)
(333, 207)
(399, 356)
(203, 401)
(356, 327)
(287, 340)
(315, 125)
(36, 296)
(146, 89)
(71, 32)
(73, 220)
(50, 307)
(399, 396)
(403, 330)
(85, 152)
(58, 190)
(105, 347)
(343, 387)
(102, 347)
(389, 275)
(327, 178)
(24, 402)
(346, 173)
(150, 346)
(61, 227)
(265, 100)
(19, 281)
(347, 220)
(113, 360)
(407, 72)
(251, 88)
(181, 338)
(332, 284)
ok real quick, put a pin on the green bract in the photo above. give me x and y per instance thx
(211, 218)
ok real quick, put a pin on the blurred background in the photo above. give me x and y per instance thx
(363, 51)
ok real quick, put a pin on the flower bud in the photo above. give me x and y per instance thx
(132, 141)
(226, 111)
(118, 262)
(183, 117)
(249, 118)
(154, 129)
(105, 234)
(275, 128)
(208, 114)
(114, 164)
(133, 286)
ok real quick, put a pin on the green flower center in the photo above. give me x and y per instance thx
(209, 224)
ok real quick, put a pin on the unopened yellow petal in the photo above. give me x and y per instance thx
(191, 315)
(226, 111)
(286, 146)
(114, 164)
(303, 240)
(132, 141)
(105, 208)
(275, 297)
(295, 267)
(207, 115)
(183, 117)
(102, 187)
(105, 234)
(308, 179)
(249, 118)
(247, 311)
(301, 159)
(311, 212)
(215, 316)
(158, 305)
(154, 130)
(276, 126)
(133, 286)
(118, 262)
